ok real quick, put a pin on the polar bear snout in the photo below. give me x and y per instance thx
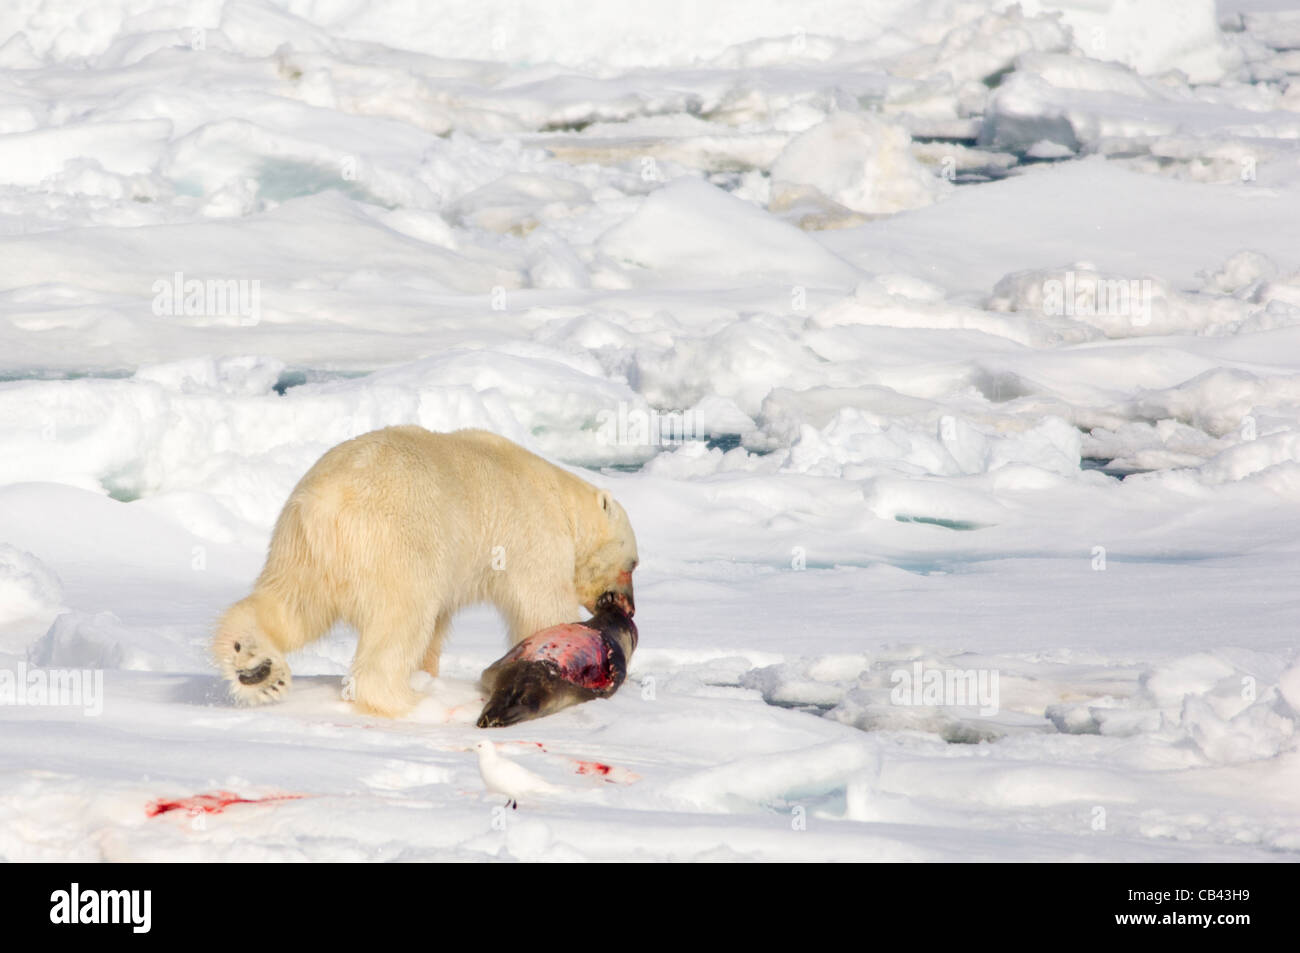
(619, 594)
(622, 601)
(623, 594)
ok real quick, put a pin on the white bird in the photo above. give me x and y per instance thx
(503, 776)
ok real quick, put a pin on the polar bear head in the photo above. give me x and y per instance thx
(606, 558)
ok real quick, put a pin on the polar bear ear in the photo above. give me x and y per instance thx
(609, 506)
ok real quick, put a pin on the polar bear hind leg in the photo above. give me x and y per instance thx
(288, 608)
(433, 652)
(393, 642)
(254, 669)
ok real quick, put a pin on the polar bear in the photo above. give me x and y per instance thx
(396, 530)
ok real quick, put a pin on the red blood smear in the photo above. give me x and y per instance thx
(593, 767)
(579, 654)
(213, 803)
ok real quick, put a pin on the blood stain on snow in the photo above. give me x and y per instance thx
(213, 803)
(592, 769)
(609, 773)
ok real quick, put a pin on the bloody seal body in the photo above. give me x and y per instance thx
(561, 666)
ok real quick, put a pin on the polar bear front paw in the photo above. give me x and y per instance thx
(257, 674)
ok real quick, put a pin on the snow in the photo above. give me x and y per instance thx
(945, 355)
(690, 231)
(1147, 35)
(858, 161)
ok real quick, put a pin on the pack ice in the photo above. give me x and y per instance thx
(945, 355)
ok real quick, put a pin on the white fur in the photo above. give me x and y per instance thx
(397, 530)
